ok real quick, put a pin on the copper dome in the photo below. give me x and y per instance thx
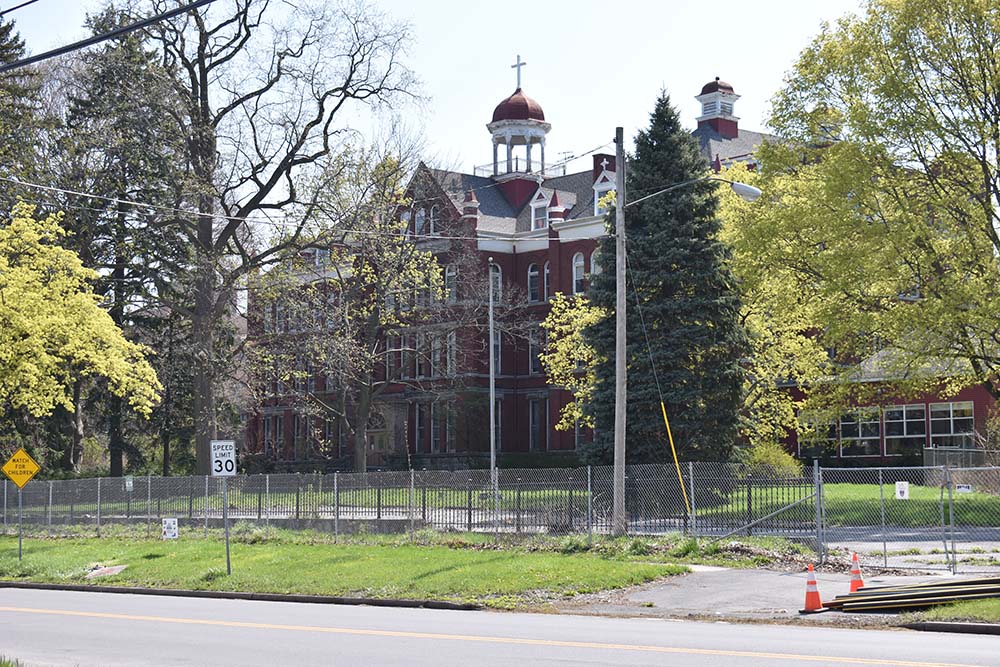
(716, 86)
(518, 107)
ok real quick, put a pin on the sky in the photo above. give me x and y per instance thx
(591, 65)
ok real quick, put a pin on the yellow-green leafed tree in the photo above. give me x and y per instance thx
(787, 357)
(53, 330)
(888, 203)
(568, 360)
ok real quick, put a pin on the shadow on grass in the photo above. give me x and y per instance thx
(463, 566)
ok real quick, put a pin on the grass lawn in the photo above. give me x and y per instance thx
(979, 611)
(477, 571)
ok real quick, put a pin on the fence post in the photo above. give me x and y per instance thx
(267, 503)
(694, 509)
(881, 502)
(423, 502)
(5, 507)
(590, 507)
(749, 503)
(336, 506)
(818, 491)
(951, 520)
(260, 504)
(378, 508)
(569, 505)
(149, 502)
(204, 510)
(98, 506)
(517, 506)
(298, 498)
(190, 497)
(468, 499)
(413, 499)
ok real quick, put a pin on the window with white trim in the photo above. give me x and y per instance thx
(451, 348)
(538, 439)
(905, 429)
(534, 289)
(601, 191)
(534, 353)
(435, 428)
(539, 216)
(595, 267)
(952, 425)
(419, 420)
(579, 283)
(860, 433)
(451, 283)
(419, 220)
(546, 292)
(434, 226)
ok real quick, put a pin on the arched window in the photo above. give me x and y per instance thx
(497, 276)
(546, 292)
(418, 222)
(451, 283)
(579, 285)
(534, 288)
(595, 267)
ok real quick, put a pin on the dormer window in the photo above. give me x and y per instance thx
(539, 216)
(601, 189)
(418, 222)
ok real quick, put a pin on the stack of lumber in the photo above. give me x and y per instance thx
(916, 596)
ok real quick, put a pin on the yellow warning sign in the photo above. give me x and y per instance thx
(20, 468)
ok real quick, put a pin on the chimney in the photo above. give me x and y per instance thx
(602, 162)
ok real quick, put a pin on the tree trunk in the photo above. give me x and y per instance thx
(116, 441)
(72, 453)
(361, 415)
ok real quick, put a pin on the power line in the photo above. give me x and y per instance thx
(276, 224)
(97, 39)
(16, 7)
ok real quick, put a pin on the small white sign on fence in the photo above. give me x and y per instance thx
(902, 490)
(128, 483)
(170, 529)
(963, 488)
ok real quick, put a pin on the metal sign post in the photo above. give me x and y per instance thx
(20, 468)
(224, 466)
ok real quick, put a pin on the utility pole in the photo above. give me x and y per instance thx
(619, 520)
(493, 383)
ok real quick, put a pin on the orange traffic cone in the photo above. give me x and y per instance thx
(856, 580)
(813, 603)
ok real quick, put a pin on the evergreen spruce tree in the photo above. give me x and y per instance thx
(689, 304)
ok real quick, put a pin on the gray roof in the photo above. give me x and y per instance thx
(713, 144)
(496, 215)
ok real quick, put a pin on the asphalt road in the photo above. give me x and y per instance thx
(70, 628)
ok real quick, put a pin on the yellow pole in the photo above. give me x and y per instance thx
(673, 450)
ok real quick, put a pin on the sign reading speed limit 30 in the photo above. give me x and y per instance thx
(223, 458)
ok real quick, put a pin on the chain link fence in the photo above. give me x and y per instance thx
(921, 517)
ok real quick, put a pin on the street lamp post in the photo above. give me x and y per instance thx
(493, 400)
(619, 522)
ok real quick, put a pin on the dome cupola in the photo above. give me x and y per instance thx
(519, 125)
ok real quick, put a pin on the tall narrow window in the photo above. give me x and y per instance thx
(433, 222)
(449, 428)
(451, 348)
(546, 288)
(418, 427)
(534, 353)
(534, 288)
(497, 275)
(579, 285)
(435, 428)
(539, 217)
(451, 283)
(496, 351)
(435, 355)
(419, 220)
(595, 267)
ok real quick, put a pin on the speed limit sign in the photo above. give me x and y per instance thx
(223, 458)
